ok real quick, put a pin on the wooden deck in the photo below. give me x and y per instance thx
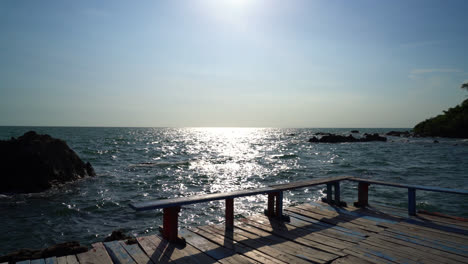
(317, 233)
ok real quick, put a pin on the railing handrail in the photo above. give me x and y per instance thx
(410, 186)
(179, 201)
(171, 207)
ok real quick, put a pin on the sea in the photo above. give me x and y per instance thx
(142, 164)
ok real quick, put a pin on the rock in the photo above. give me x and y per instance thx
(34, 163)
(436, 141)
(398, 133)
(373, 137)
(64, 249)
(332, 138)
(354, 131)
(322, 134)
(117, 235)
(314, 140)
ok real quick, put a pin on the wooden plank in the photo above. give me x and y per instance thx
(387, 254)
(96, 255)
(72, 259)
(423, 233)
(409, 249)
(225, 240)
(326, 229)
(161, 251)
(351, 218)
(349, 259)
(261, 244)
(221, 254)
(52, 260)
(367, 230)
(428, 245)
(117, 253)
(38, 261)
(366, 256)
(62, 260)
(317, 227)
(291, 247)
(23, 262)
(300, 236)
(136, 253)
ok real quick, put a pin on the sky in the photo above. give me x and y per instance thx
(234, 63)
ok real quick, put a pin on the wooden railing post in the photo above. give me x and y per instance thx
(363, 195)
(170, 223)
(279, 204)
(411, 201)
(337, 192)
(229, 213)
(271, 205)
(329, 193)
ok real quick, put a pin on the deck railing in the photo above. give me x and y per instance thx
(171, 207)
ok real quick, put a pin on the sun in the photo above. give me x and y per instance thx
(233, 13)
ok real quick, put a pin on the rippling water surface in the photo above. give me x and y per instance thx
(138, 164)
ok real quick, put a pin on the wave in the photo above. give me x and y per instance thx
(162, 164)
(284, 156)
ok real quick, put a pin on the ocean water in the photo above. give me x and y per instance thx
(138, 164)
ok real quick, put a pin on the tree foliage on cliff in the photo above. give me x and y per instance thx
(453, 123)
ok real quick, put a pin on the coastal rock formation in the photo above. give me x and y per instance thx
(33, 163)
(332, 138)
(372, 137)
(399, 133)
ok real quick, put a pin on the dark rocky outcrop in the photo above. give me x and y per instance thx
(118, 235)
(34, 163)
(332, 138)
(64, 249)
(398, 133)
(372, 137)
(354, 131)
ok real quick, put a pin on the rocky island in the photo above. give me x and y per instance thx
(34, 163)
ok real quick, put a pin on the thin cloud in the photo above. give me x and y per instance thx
(418, 72)
(442, 70)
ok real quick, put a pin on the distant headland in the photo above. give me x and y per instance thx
(453, 123)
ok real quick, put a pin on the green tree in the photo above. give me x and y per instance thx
(465, 86)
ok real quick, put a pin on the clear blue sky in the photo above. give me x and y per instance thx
(260, 63)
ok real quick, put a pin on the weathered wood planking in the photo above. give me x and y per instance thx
(224, 241)
(98, 254)
(136, 253)
(72, 259)
(221, 254)
(52, 260)
(118, 254)
(38, 261)
(160, 251)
